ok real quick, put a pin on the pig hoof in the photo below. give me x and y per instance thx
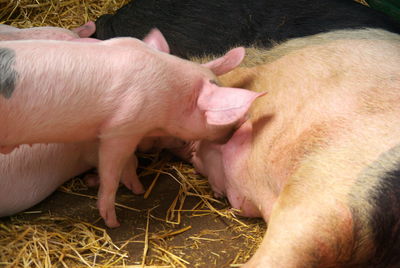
(135, 186)
(110, 218)
(92, 180)
(112, 223)
(107, 212)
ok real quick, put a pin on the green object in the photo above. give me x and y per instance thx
(390, 7)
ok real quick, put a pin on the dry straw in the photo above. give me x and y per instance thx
(61, 241)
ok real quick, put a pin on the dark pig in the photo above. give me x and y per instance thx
(206, 27)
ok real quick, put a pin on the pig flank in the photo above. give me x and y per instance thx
(31, 173)
(320, 158)
(8, 74)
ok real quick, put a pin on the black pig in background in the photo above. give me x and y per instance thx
(208, 27)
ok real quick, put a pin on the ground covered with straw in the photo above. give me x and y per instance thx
(177, 223)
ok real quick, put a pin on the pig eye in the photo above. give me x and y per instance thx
(214, 82)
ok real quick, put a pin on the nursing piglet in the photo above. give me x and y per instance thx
(319, 158)
(118, 91)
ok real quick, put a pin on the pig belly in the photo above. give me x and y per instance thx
(30, 174)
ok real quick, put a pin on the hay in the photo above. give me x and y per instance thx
(50, 240)
(66, 14)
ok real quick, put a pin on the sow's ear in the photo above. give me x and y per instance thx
(224, 105)
(156, 40)
(228, 62)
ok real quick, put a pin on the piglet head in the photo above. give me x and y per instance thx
(223, 107)
(215, 111)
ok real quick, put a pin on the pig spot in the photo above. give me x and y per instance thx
(377, 209)
(8, 74)
(385, 219)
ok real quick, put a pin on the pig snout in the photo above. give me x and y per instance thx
(220, 163)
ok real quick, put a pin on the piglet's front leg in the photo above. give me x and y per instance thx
(114, 157)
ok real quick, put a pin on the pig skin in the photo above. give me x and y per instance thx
(31, 173)
(319, 157)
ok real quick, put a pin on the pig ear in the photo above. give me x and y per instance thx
(223, 105)
(156, 40)
(228, 62)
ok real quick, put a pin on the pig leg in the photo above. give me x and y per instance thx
(312, 224)
(114, 154)
(129, 177)
(335, 212)
(305, 233)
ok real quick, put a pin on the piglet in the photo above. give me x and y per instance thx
(117, 91)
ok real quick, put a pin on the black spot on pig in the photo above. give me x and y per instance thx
(378, 211)
(385, 221)
(209, 27)
(8, 75)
